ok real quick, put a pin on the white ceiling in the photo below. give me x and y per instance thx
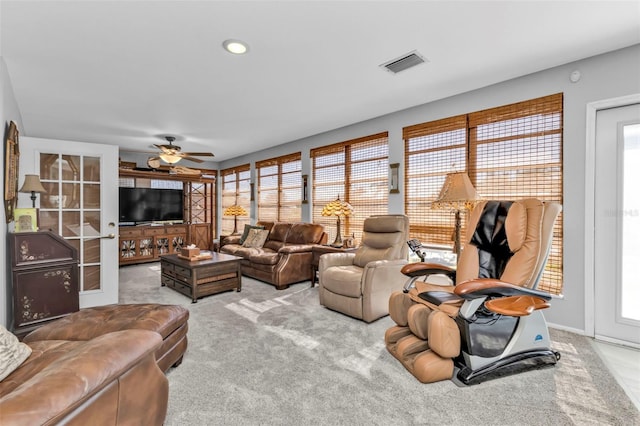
(124, 72)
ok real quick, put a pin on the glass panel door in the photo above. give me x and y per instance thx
(71, 208)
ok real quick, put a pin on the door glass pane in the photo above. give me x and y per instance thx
(92, 250)
(91, 169)
(91, 193)
(48, 167)
(91, 277)
(49, 221)
(631, 223)
(71, 226)
(71, 195)
(69, 164)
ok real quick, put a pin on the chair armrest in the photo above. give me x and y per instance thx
(379, 280)
(230, 239)
(421, 269)
(296, 248)
(516, 306)
(484, 287)
(328, 260)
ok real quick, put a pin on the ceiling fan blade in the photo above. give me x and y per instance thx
(199, 154)
(194, 159)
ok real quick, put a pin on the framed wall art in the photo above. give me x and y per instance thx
(26, 220)
(11, 161)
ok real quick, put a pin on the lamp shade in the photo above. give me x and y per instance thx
(337, 208)
(457, 193)
(235, 210)
(32, 184)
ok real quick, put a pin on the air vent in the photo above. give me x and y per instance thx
(404, 62)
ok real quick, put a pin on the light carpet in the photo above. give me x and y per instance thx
(268, 357)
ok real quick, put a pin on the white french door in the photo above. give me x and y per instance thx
(617, 225)
(81, 205)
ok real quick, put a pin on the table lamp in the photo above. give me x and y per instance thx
(32, 184)
(337, 208)
(457, 194)
(235, 211)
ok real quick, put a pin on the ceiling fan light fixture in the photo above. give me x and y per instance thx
(169, 158)
(237, 47)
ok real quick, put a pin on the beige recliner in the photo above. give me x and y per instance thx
(490, 323)
(359, 284)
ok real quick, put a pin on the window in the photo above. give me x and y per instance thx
(235, 190)
(280, 188)
(510, 152)
(357, 171)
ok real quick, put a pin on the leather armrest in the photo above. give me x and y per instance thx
(421, 269)
(230, 239)
(296, 248)
(483, 287)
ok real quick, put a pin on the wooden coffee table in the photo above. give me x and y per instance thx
(201, 277)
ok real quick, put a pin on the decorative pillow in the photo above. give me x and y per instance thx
(12, 352)
(256, 238)
(245, 233)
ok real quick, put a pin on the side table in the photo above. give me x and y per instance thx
(319, 250)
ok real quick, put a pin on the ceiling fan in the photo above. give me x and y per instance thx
(170, 153)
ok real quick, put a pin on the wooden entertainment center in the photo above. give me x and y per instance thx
(146, 243)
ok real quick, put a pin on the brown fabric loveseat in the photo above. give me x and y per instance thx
(285, 258)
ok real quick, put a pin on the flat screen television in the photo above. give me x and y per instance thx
(140, 205)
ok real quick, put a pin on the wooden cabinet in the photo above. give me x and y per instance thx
(44, 279)
(147, 243)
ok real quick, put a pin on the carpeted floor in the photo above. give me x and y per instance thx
(268, 357)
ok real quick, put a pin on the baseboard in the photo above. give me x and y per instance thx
(569, 329)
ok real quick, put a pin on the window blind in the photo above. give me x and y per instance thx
(357, 171)
(235, 190)
(280, 188)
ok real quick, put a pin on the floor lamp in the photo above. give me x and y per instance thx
(457, 194)
(337, 208)
(235, 211)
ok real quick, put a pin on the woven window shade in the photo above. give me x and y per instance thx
(357, 171)
(235, 190)
(515, 152)
(510, 152)
(280, 188)
(431, 151)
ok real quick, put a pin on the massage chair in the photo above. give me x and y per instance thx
(488, 322)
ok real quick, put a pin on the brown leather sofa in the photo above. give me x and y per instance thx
(285, 258)
(110, 380)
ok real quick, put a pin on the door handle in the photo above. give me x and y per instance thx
(110, 236)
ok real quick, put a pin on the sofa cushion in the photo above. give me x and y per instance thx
(304, 233)
(343, 280)
(245, 233)
(256, 238)
(12, 352)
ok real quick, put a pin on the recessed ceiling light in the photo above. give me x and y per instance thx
(236, 47)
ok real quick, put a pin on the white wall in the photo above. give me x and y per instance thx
(605, 76)
(8, 111)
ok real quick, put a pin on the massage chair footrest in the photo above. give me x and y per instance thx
(515, 363)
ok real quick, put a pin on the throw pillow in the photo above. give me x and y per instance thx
(256, 238)
(245, 233)
(12, 352)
